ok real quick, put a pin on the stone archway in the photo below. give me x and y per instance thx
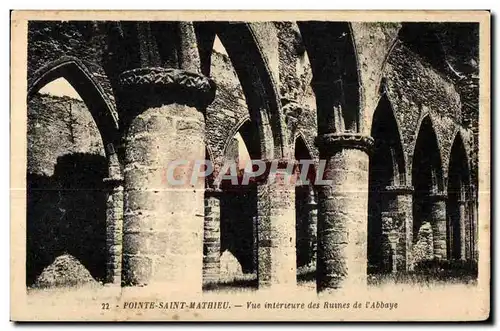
(239, 208)
(458, 234)
(259, 88)
(76, 73)
(342, 204)
(266, 133)
(389, 204)
(86, 175)
(429, 203)
(306, 213)
(331, 51)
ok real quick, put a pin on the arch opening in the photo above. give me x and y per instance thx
(239, 212)
(305, 216)
(81, 81)
(387, 169)
(237, 41)
(332, 55)
(457, 209)
(66, 196)
(426, 174)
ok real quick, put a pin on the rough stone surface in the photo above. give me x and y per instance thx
(59, 126)
(438, 223)
(163, 223)
(423, 249)
(114, 231)
(211, 237)
(342, 227)
(48, 44)
(276, 234)
(264, 93)
(436, 95)
(66, 198)
(65, 271)
(373, 41)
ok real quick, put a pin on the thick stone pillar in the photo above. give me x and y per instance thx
(437, 203)
(397, 227)
(463, 233)
(276, 230)
(312, 235)
(211, 236)
(114, 219)
(343, 211)
(163, 219)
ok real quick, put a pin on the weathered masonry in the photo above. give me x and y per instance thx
(391, 107)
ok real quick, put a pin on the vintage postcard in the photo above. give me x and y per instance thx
(250, 166)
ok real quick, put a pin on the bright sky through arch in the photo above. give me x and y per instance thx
(60, 88)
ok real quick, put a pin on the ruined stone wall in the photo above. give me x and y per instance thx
(229, 109)
(373, 41)
(66, 201)
(50, 43)
(470, 122)
(66, 159)
(58, 126)
(297, 96)
(415, 89)
(224, 117)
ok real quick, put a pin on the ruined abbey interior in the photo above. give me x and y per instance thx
(391, 107)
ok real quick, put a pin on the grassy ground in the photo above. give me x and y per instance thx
(427, 276)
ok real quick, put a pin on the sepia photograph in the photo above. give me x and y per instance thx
(250, 166)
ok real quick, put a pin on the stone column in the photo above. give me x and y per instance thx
(473, 210)
(312, 210)
(276, 231)
(343, 211)
(255, 250)
(398, 225)
(468, 231)
(114, 219)
(463, 233)
(438, 222)
(163, 220)
(473, 237)
(211, 237)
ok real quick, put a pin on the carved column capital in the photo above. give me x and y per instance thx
(332, 142)
(113, 182)
(400, 189)
(157, 86)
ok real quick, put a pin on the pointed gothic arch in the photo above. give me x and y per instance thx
(259, 87)
(387, 170)
(92, 94)
(64, 202)
(305, 217)
(336, 83)
(427, 174)
(458, 185)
